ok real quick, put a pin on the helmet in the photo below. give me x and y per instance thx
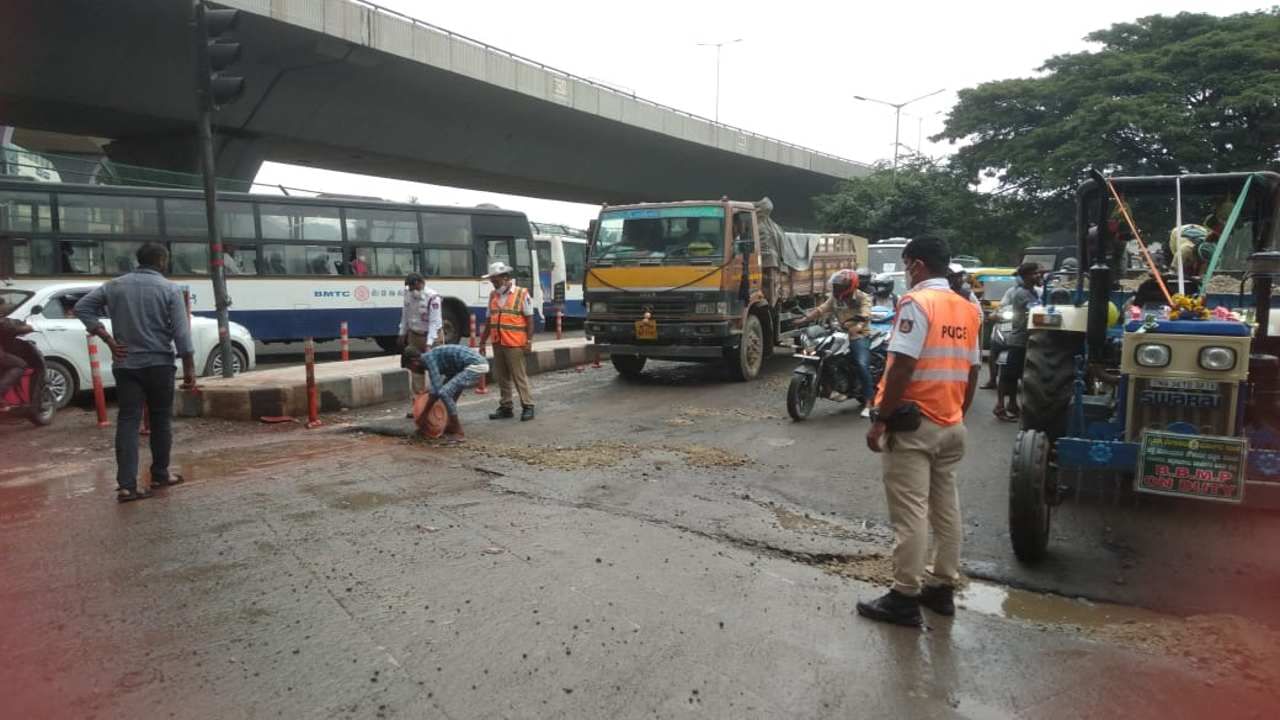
(955, 269)
(882, 284)
(1205, 249)
(1070, 265)
(843, 284)
(864, 278)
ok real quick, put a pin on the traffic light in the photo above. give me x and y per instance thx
(215, 53)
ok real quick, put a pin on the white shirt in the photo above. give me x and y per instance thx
(912, 325)
(421, 314)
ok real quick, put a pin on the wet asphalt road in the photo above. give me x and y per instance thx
(642, 549)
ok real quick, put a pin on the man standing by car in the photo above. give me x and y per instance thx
(420, 323)
(150, 322)
(1019, 299)
(510, 326)
(918, 425)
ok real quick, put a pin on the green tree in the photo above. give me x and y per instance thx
(926, 198)
(1162, 95)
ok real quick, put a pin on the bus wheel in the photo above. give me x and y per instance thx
(451, 325)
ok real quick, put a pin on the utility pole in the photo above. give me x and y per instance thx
(897, 121)
(214, 53)
(719, 46)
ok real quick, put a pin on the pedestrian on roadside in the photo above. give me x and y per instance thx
(1019, 298)
(510, 326)
(918, 426)
(450, 369)
(150, 322)
(420, 324)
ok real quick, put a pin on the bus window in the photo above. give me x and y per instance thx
(15, 256)
(446, 229)
(302, 259)
(381, 226)
(74, 258)
(394, 262)
(575, 261)
(108, 214)
(186, 218)
(192, 258)
(543, 250)
(120, 257)
(299, 222)
(438, 262)
(22, 211)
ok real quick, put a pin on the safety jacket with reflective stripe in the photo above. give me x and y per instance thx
(508, 326)
(941, 374)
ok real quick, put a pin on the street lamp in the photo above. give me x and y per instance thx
(897, 120)
(718, 46)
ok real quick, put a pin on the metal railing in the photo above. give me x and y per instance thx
(594, 83)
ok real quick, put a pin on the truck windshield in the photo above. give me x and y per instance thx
(885, 258)
(692, 234)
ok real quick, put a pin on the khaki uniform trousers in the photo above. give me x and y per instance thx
(509, 369)
(920, 484)
(418, 380)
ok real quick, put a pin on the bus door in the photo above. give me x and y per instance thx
(518, 253)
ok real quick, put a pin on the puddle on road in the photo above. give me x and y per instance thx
(1047, 609)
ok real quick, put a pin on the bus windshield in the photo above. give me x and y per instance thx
(687, 235)
(885, 258)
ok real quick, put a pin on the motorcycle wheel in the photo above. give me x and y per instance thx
(801, 394)
(42, 412)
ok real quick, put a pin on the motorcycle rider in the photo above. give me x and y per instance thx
(852, 308)
(882, 294)
(11, 366)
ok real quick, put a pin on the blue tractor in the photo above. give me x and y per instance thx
(1172, 402)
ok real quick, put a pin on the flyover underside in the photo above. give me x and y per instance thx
(123, 70)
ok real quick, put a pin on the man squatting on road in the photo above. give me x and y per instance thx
(450, 370)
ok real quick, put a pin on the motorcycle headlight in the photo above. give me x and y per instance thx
(1217, 358)
(1153, 355)
(1006, 314)
(599, 306)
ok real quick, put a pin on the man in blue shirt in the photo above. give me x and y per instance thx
(150, 324)
(450, 369)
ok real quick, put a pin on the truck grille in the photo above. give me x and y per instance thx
(1214, 420)
(662, 308)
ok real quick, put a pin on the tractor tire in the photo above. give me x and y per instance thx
(744, 361)
(628, 366)
(1048, 381)
(1029, 515)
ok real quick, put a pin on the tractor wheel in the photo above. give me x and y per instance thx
(1048, 381)
(1029, 496)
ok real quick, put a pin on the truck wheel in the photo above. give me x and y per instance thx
(628, 366)
(801, 394)
(744, 361)
(1028, 496)
(1048, 381)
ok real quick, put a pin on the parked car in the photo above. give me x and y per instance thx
(62, 339)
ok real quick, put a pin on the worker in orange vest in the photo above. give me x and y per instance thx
(510, 326)
(918, 425)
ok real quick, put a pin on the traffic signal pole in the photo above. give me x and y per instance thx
(211, 56)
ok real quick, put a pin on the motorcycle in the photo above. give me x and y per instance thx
(826, 368)
(1004, 325)
(30, 397)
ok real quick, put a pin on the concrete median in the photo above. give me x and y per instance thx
(283, 391)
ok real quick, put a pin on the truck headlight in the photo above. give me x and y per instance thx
(711, 308)
(1217, 358)
(1153, 355)
(599, 306)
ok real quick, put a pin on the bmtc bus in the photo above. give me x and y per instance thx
(561, 255)
(296, 267)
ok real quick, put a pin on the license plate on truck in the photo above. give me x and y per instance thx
(1205, 467)
(646, 330)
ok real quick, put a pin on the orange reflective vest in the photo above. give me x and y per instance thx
(508, 327)
(938, 383)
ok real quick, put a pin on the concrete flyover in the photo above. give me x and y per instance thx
(345, 85)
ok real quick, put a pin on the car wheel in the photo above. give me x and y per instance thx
(213, 366)
(61, 382)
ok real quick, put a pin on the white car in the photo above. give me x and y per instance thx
(63, 341)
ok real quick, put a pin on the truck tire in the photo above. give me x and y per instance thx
(628, 366)
(1048, 381)
(1029, 515)
(745, 360)
(801, 394)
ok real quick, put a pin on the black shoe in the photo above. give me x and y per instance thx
(526, 413)
(939, 598)
(502, 413)
(893, 607)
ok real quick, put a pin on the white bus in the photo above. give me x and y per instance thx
(561, 255)
(296, 267)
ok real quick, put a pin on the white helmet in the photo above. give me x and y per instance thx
(496, 269)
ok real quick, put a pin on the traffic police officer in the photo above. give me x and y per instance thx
(928, 385)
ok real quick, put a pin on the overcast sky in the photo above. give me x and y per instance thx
(792, 77)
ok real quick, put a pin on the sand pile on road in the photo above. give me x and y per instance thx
(874, 569)
(606, 454)
(733, 412)
(1223, 646)
(702, 456)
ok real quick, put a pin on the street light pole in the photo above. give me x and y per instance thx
(719, 46)
(897, 121)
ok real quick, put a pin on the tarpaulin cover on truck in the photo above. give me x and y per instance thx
(794, 250)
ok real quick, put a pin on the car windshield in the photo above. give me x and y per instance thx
(684, 235)
(11, 299)
(995, 286)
